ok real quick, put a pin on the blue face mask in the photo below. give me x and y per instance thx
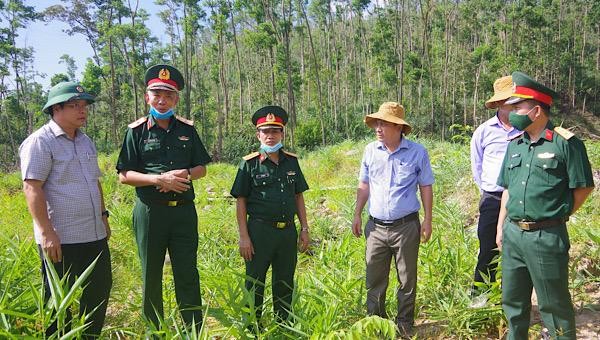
(157, 115)
(271, 149)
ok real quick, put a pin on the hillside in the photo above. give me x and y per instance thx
(330, 278)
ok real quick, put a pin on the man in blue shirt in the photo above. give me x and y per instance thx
(488, 146)
(391, 170)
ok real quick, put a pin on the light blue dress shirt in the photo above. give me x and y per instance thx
(488, 146)
(393, 178)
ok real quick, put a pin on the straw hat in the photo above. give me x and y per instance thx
(503, 89)
(390, 112)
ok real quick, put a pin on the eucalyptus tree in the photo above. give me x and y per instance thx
(15, 15)
(70, 64)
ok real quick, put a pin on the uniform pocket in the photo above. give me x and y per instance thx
(262, 179)
(548, 171)
(183, 151)
(514, 162)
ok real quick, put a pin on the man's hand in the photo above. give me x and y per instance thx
(357, 226)
(183, 173)
(246, 248)
(304, 240)
(107, 226)
(425, 231)
(499, 239)
(50, 244)
(168, 181)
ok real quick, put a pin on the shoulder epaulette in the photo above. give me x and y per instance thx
(138, 122)
(290, 154)
(185, 121)
(250, 156)
(516, 136)
(564, 133)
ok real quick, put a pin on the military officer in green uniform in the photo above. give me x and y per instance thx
(161, 155)
(268, 188)
(547, 177)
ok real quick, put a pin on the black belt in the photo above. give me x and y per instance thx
(408, 218)
(497, 194)
(173, 203)
(274, 224)
(535, 225)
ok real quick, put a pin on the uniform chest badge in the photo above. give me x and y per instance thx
(515, 155)
(291, 173)
(546, 155)
(151, 140)
(184, 138)
(261, 176)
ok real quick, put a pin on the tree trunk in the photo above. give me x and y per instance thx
(317, 70)
(238, 63)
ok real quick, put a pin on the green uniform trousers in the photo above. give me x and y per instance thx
(537, 259)
(277, 248)
(159, 228)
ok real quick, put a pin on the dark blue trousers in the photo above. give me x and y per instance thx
(489, 208)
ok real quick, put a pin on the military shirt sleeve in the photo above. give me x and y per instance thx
(241, 184)
(301, 185)
(36, 159)
(200, 155)
(503, 175)
(129, 157)
(578, 165)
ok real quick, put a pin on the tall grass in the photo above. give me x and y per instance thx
(329, 302)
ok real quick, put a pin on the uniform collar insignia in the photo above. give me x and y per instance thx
(548, 134)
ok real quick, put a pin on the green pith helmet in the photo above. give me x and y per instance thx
(65, 91)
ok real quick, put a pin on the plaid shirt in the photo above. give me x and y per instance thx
(70, 172)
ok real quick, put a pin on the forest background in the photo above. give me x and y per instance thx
(327, 62)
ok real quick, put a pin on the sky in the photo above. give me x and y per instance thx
(50, 42)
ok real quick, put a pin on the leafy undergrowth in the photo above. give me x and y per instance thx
(330, 297)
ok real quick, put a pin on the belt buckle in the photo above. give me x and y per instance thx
(526, 225)
(172, 203)
(280, 225)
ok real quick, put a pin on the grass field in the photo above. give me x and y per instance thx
(330, 297)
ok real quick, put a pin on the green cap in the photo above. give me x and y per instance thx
(525, 88)
(270, 115)
(163, 77)
(65, 91)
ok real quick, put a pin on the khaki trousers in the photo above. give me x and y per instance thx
(400, 242)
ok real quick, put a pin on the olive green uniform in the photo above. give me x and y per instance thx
(270, 190)
(540, 178)
(165, 221)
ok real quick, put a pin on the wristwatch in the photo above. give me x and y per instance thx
(189, 177)
(106, 213)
